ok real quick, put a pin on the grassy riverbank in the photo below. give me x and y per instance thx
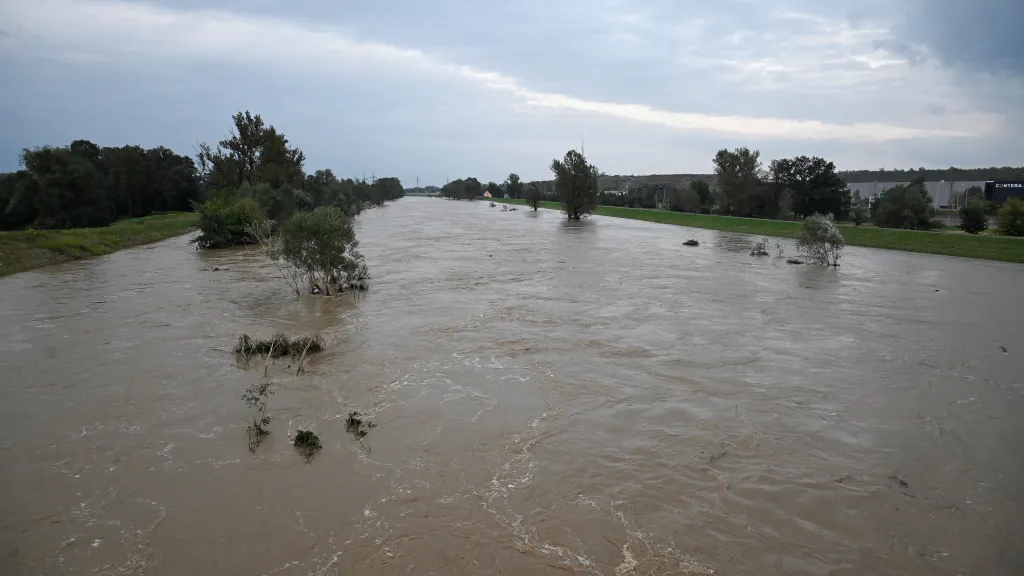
(28, 249)
(945, 243)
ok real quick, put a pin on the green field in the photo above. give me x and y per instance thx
(27, 249)
(985, 247)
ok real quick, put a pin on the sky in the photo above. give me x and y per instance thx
(454, 88)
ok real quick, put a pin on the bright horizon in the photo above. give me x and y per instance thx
(652, 87)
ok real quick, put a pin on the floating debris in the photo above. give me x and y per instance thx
(1003, 348)
(493, 204)
(691, 242)
(357, 426)
(279, 345)
(899, 481)
(794, 261)
(307, 443)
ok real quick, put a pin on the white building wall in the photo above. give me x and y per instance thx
(939, 191)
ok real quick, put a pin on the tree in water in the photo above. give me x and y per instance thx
(575, 184)
(321, 245)
(533, 196)
(820, 240)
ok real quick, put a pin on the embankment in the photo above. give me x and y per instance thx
(984, 247)
(28, 249)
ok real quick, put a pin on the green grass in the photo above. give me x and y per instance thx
(986, 247)
(27, 249)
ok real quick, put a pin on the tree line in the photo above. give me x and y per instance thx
(85, 185)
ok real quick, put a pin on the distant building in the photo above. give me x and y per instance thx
(487, 195)
(942, 192)
(998, 191)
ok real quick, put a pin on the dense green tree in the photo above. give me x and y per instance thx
(684, 199)
(703, 191)
(814, 184)
(575, 184)
(495, 190)
(907, 206)
(973, 219)
(532, 196)
(513, 186)
(321, 244)
(738, 174)
(68, 189)
(244, 144)
(1010, 219)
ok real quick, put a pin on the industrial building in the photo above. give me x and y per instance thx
(942, 192)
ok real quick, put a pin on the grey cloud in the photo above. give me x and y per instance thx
(973, 35)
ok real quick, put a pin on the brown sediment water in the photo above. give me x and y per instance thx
(550, 398)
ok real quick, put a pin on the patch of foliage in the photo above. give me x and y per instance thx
(972, 217)
(907, 206)
(256, 397)
(84, 185)
(820, 240)
(1010, 218)
(760, 248)
(278, 345)
(223, 224)
(575, 184)
(307, 443)
(321, 246)
(691, 242)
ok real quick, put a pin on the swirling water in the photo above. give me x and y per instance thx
(550, 398)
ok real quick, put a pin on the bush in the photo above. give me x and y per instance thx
(684, 200)
(227, 224)
(1010, 219)
(972, 217)
(820, 240)
(859, 215)
(907, 206)
(322, 246)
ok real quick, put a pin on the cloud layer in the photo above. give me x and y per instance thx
(467, 89)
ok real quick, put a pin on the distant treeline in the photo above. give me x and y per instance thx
(952, 174)
(85, 185)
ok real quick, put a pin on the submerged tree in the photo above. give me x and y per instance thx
(820, 240)
(575, 184)
(533, 196)
(321, 245)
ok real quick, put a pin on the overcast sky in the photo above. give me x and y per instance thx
(451, 88)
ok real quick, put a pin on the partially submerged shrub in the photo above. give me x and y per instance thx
(820, 240)
(279, 345)
(760, 248)
(307, 443)
(357, 426)
(223, 224)
(256, 397)
(691, 242)
(321, 245)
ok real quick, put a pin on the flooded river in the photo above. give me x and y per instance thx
(550, 398)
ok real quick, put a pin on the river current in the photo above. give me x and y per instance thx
(549, 398)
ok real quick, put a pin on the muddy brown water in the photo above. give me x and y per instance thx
(551, 398)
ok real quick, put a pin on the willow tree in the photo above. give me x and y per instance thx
(575, 184)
